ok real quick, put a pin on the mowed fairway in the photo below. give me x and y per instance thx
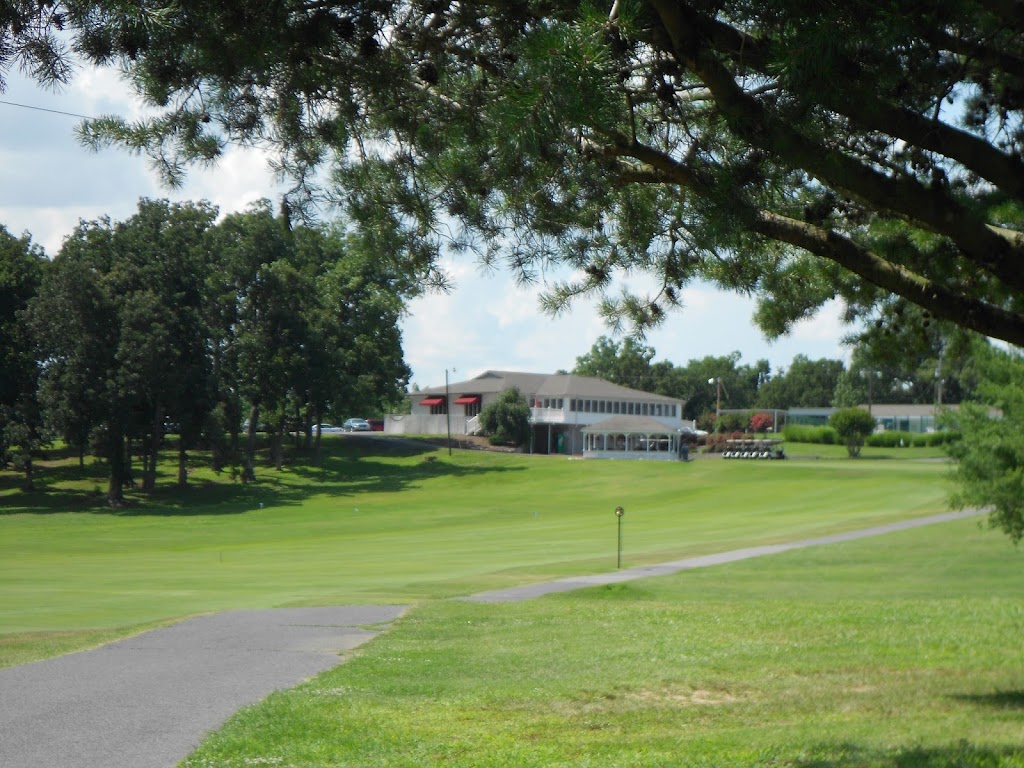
(901, 651)
(382, 522)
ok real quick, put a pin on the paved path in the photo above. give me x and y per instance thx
(664, 569)
(147, 702)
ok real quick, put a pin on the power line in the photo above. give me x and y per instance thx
(44, 109)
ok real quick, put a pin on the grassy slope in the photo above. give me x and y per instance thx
(898, 651)
(395, 526)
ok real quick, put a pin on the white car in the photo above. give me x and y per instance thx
(328, 429)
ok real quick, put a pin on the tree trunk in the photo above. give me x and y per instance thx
(249, 465)
(315, 431)
(119, 462)
(182, 465)
(279, 445)
(128, 473)
(309, 423)
(149, 466)
(29, 483)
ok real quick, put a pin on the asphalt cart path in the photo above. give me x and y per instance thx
(529, 591)
(148, 701)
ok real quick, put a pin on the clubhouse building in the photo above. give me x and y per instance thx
(573, 415)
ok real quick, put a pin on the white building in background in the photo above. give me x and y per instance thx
(567, 413)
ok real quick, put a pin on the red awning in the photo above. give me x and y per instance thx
(432, 401)
(467, 400)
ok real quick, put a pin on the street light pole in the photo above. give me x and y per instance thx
(717, 381)
(448, 411)
(619, 512)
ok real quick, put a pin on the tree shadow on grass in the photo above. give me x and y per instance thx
(997, 700)
(348, 477)
(348, 468)
(959, 755)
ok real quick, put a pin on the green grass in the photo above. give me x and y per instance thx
(400, 526)
(899, 651)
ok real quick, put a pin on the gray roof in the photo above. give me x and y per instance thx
(491, 382)
(562, 385)
(545, 385)
(630, 425)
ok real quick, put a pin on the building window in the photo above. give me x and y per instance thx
(643, 409)
(439, 410)
(561, 403)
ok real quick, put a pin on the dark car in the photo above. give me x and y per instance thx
(356, 425)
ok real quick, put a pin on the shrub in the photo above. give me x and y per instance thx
(761, 422)
(883, 440)
(853, 426)
(506, 421)
(732, 422)
(718, 442)
(805, 433)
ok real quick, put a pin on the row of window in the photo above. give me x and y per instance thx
(622, 407)
(470, 409)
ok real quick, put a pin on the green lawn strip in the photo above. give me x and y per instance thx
(895, 651)
(22, 648)
(397, 527)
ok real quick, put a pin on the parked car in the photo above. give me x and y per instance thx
(327, 429)
(377, 425)
(356, 425)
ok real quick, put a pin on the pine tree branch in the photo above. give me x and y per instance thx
(867, 110)
(932, 208)
(1010, 12)
(980, 316)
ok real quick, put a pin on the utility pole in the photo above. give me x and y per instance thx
(448, 411)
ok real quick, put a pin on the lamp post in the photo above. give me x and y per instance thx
(717, 380)
(619, 512)
(448, 411)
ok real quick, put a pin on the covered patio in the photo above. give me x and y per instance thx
(619, 438)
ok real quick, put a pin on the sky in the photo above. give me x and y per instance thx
(48, 183)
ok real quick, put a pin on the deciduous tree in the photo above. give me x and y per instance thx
(507, 420)
(990, 454)
(805, 383)
(853, 425)
(21, 427)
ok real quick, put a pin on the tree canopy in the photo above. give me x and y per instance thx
(171, 321)
(990, 458)
(795, 150)
(852, 425)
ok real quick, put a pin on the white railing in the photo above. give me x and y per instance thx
(473, 425)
